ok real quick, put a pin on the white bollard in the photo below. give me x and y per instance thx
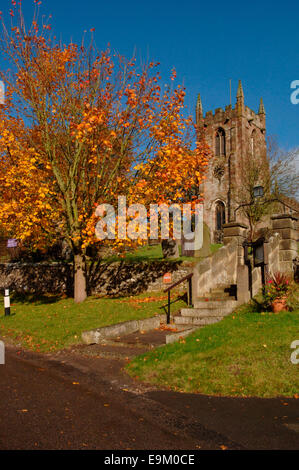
(6, 302)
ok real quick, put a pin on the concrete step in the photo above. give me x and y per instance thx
(208, 312)
(211, 304)
(220, 291)
(200, 321)
(185, 330)
(219, 297)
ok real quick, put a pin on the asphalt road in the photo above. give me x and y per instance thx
(69, 401)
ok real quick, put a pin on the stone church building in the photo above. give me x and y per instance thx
(234, 134)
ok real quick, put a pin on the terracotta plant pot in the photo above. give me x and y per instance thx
(279, 304)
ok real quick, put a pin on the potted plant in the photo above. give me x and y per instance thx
(276, 291)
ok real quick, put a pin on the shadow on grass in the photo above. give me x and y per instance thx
(257, 306)
(39, 299)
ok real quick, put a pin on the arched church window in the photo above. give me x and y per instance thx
(220, 142)
(220, 215)
(253, 143)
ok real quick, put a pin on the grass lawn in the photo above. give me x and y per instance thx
(154, 253)
(52, 323)
(246, 354)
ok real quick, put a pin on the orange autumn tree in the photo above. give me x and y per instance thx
(80, 127)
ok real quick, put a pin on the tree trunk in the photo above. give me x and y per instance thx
(80, 292)
(251, 230)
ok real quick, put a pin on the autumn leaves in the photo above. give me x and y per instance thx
(81, 127)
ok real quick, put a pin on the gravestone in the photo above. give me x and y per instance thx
(170, 249)
(204, 251)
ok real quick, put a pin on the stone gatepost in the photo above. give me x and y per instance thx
(237, 231)
(272, 253)
(285, 225)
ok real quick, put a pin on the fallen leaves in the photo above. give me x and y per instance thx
(164, 327)
(145, 300)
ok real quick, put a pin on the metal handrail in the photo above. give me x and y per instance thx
(168, 289)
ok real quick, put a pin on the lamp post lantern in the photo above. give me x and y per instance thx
(258, 191)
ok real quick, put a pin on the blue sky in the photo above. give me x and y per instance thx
(208, 43)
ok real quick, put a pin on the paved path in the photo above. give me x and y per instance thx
(79, 400)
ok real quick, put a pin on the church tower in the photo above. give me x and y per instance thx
(234, 135)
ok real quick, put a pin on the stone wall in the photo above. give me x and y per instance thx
(296, 269)
(272, 253)
(220, 269)
(37, 278)
(121, 278)
(286, 226)
(273, 259)
(225, 267)
(118, 278)
(228, 265)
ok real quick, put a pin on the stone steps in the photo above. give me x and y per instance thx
(207, 312)
(128, 346)
(195, 320)
(208, 309)
(218, 298)
(214, 305)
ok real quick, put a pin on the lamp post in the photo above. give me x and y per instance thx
(258, 192)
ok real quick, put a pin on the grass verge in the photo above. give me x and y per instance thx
(50, 323)
(246, 354)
